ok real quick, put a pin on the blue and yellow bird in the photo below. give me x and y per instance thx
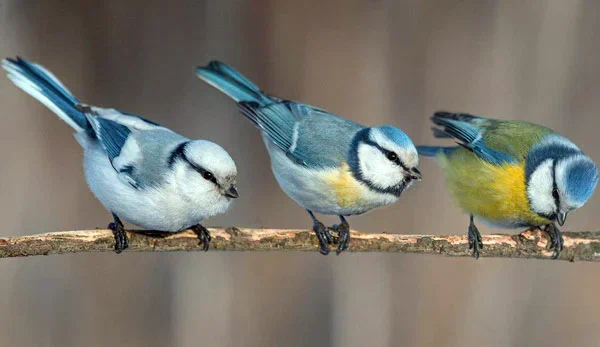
(325, 163)
(512, 174)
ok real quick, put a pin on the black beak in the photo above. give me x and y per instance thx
(415, 174)
(232, 193)
(561, 217)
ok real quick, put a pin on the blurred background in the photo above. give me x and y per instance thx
(372, 61)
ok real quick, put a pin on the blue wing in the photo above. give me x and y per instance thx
(147, 121)
(469, 130)
(307, 135)
(112, 135)
(138, 151)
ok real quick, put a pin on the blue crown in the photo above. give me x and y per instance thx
(396, 135)
(582, 178)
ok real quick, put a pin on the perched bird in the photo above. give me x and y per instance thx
(141, 172)
(325, 163)
(512, 174)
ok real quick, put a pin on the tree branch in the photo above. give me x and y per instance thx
(528, 244)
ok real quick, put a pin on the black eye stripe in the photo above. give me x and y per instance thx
(385, 152)
(203, 172)
(392, 156)
(555, 194)
(179, 153)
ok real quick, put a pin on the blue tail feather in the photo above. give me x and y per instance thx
(46, 88)
(465, 132)
(432, 151)
(232, 83)
(227, 70)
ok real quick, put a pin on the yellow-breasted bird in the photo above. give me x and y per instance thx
(512, 174)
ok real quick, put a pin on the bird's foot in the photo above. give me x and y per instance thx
(556, 239)
(475, 242)
(203, 236)
(323, 235)
(343, 238)
(121, 240)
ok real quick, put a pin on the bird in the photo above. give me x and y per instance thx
(511, 174)
(325, 163)
(140, 171)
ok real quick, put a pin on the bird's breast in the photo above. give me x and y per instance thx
(347, 190)
(496, 193)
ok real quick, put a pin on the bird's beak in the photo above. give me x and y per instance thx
(232, 192)
(561, 217)
(415, 174)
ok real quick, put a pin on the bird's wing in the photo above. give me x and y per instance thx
(309, 136)
(112, 135)
(476, 134)
(514, 137)
(136, 148)
(127, 119)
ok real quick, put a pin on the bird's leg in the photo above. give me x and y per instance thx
(322, 233)
(475, 242)
(121, 240)
(556, 239)
(343, 230)
(203, 235)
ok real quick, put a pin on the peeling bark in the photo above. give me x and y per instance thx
(528, 244)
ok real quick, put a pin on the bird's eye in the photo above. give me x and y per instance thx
(392, 156)
(208, 176)
(555, 193)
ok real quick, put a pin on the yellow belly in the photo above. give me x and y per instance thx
(495, 193)
(347, 190)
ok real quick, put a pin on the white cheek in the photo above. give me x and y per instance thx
(409, 156)
(201, 196)
(539, 190)
(192, 184)
(377, 169)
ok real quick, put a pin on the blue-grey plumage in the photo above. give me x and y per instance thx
(140, 171)
(327, 164)
(512, 173)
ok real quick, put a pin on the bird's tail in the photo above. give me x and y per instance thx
(40, 83)
(432, 151)
(232, 83)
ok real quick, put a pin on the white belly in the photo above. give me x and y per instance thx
(150, 208)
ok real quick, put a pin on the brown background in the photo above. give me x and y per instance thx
(375, 62)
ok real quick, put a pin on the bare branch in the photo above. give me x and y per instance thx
(528, 244)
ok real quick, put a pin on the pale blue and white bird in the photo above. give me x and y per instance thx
(325, 163)
(140, 171)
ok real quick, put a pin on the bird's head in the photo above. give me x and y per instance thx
(205, 174)
(560, 178)
(385, 159)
